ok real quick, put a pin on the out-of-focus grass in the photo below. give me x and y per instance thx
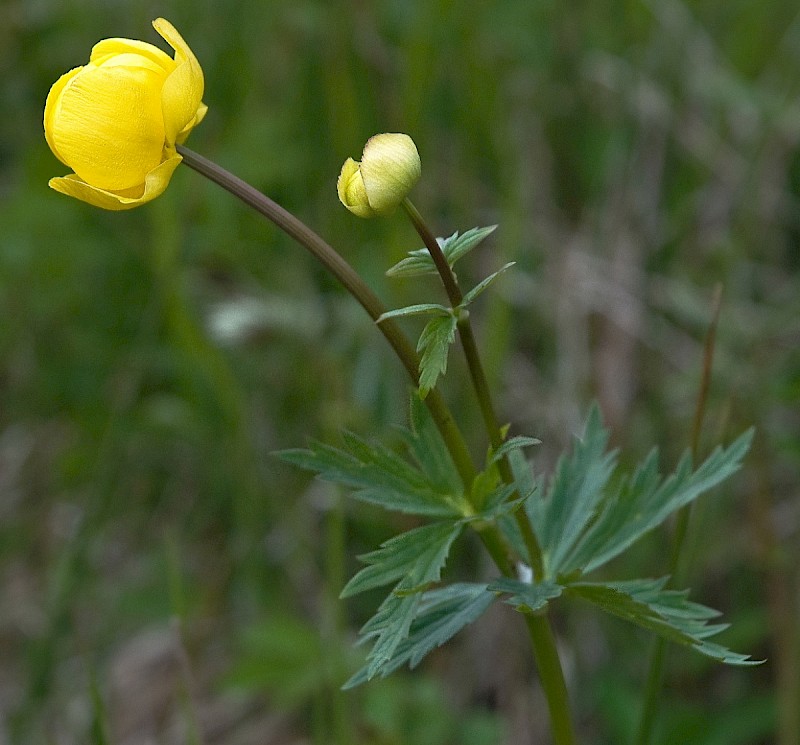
(634, 155)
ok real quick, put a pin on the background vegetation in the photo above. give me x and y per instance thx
(164, 579)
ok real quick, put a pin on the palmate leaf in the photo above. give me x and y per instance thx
(416, 558)
(377, 475)
(455, 247)
(434, 346)
(440, 615)
(668, 613)
(584, 521)
(645, 500)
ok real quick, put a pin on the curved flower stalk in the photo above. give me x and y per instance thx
(116, 120)
(377, 185)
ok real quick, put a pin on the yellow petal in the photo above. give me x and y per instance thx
(350, 187)
(155, 183)
(107, 124)
(109, 47)
(182, 94)
(50, 107)
(390, 167)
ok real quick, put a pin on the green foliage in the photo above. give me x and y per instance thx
(439, 333)
(418, 558)
(434, 345)
(415, 557)
(484, 285)
(668, 613)
(440, 615)
(584, 518)
(527, 597)
(379, 476)
(426, 447)
(454, 248)
(585, 521)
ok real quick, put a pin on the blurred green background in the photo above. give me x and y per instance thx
(165, 579)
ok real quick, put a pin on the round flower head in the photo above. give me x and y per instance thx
(115, 121)
(388, 170)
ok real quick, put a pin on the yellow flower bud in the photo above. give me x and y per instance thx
(388, 170)
(115, 121)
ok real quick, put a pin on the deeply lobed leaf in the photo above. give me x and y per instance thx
(644, 501)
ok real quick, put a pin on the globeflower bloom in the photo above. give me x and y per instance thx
(116, 121)
(388, 170)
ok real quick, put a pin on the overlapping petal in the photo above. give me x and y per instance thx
(156, 181)
(182, 92)
(352, 193)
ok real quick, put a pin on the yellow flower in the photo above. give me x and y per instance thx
(115, 122)
(388, 170)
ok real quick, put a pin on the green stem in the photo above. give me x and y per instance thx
(655, 673)
(552, 678)
(477, 375)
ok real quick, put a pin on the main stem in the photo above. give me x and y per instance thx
(539, 629)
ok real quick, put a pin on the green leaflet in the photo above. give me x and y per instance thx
(484, 284)
(378, 475)
(421, 309)
(434, 345)
(416, 558)
(644, 602)
(441, 614)
(512, 444)
(574, 492)
(428, 450)
(668, 613)
(455, 247)
(645, 500)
